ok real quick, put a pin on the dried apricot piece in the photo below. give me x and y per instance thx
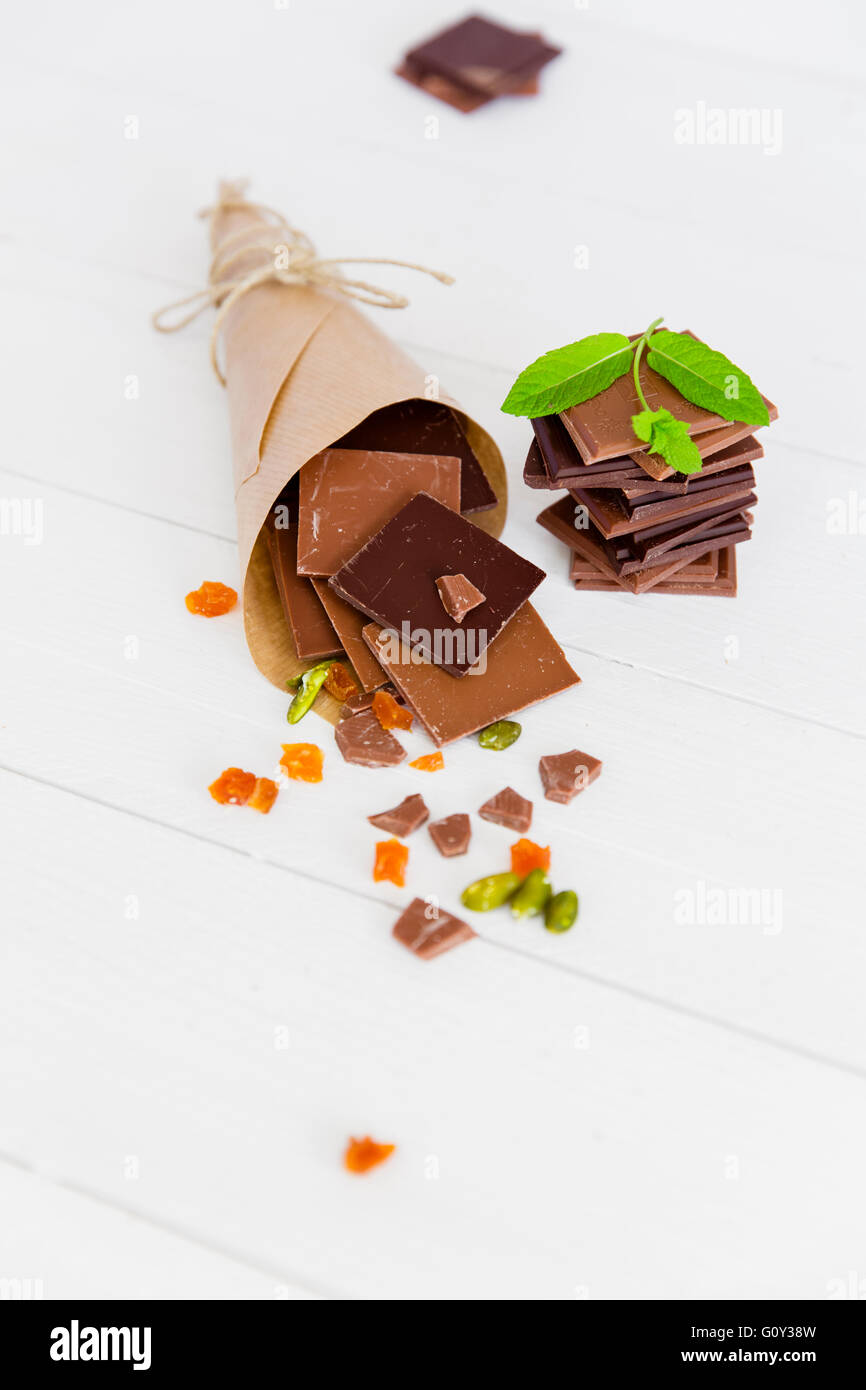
(340, 682)
(211, 599)
(389, 714)
(363, 1154)
(429, 762)
(234, 787)
(302, 762)
(526, 856)
(391, 861)
(264, 795)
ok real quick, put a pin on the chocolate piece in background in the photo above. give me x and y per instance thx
(459, 595)
(362, 740)
(558, 519)
(349, 625)
(563, 775)
(459, 97)
(393, 579)
(524, 666)
(557, 459)
(425, 427)
(701, 571)
(428, 930)
(644, 547)
(722, 583)
(312, 630)
(508, 808)
(614, 515)
(451, 835)
(480, 56)
(347, 495)
(403, 819)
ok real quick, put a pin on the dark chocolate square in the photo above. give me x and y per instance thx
(393, 579)
(482, 56)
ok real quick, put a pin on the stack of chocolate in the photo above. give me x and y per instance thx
(629, 521)
(376, 527)
(472, 63)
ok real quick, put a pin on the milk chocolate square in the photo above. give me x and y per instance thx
(425, 427)
(347, 495)
(349, 626)
(393, 579)
(314, 634)
(524, 665)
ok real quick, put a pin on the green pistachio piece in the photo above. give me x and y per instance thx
(532, 896)
(309, 686)
(501, 734)
(492, 891)
(561, 912)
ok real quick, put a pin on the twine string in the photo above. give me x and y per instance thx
(291, 259)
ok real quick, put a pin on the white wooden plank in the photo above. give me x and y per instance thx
(116, 692)
(556, 1138)
(61, 1244)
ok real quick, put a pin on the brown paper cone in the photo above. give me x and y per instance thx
(303, 367)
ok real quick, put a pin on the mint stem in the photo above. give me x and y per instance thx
(639, 347)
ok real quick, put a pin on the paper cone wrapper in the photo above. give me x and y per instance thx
(303, 367)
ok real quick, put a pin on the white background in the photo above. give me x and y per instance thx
(639, 1109)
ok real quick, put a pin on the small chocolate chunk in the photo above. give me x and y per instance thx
(428, 930)
(566, 774)
(508, 808)
(459, 595)
(403, 819)
(362, 740)
(451, 835)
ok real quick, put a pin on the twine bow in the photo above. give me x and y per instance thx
(283, 255)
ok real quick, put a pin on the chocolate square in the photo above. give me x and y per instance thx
(393, 579)
(481, 56)
(425, 427)
(347, 495)
(313, 633)
(525, 665)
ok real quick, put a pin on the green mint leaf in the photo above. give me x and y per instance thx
(706, 378)
(668, 437)
(568, 375)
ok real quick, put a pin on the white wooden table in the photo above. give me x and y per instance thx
(199, 1005)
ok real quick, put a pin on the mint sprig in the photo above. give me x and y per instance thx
(573, 374)
(706, 378)
(568, 375)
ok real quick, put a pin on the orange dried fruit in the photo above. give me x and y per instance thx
(429, 762)
(302, 762)
(526, 856)
(363, 1154)
(340, 682)
(264, 795)
(389, 714)
(211, 599)
(234, 787)
(391, 861)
